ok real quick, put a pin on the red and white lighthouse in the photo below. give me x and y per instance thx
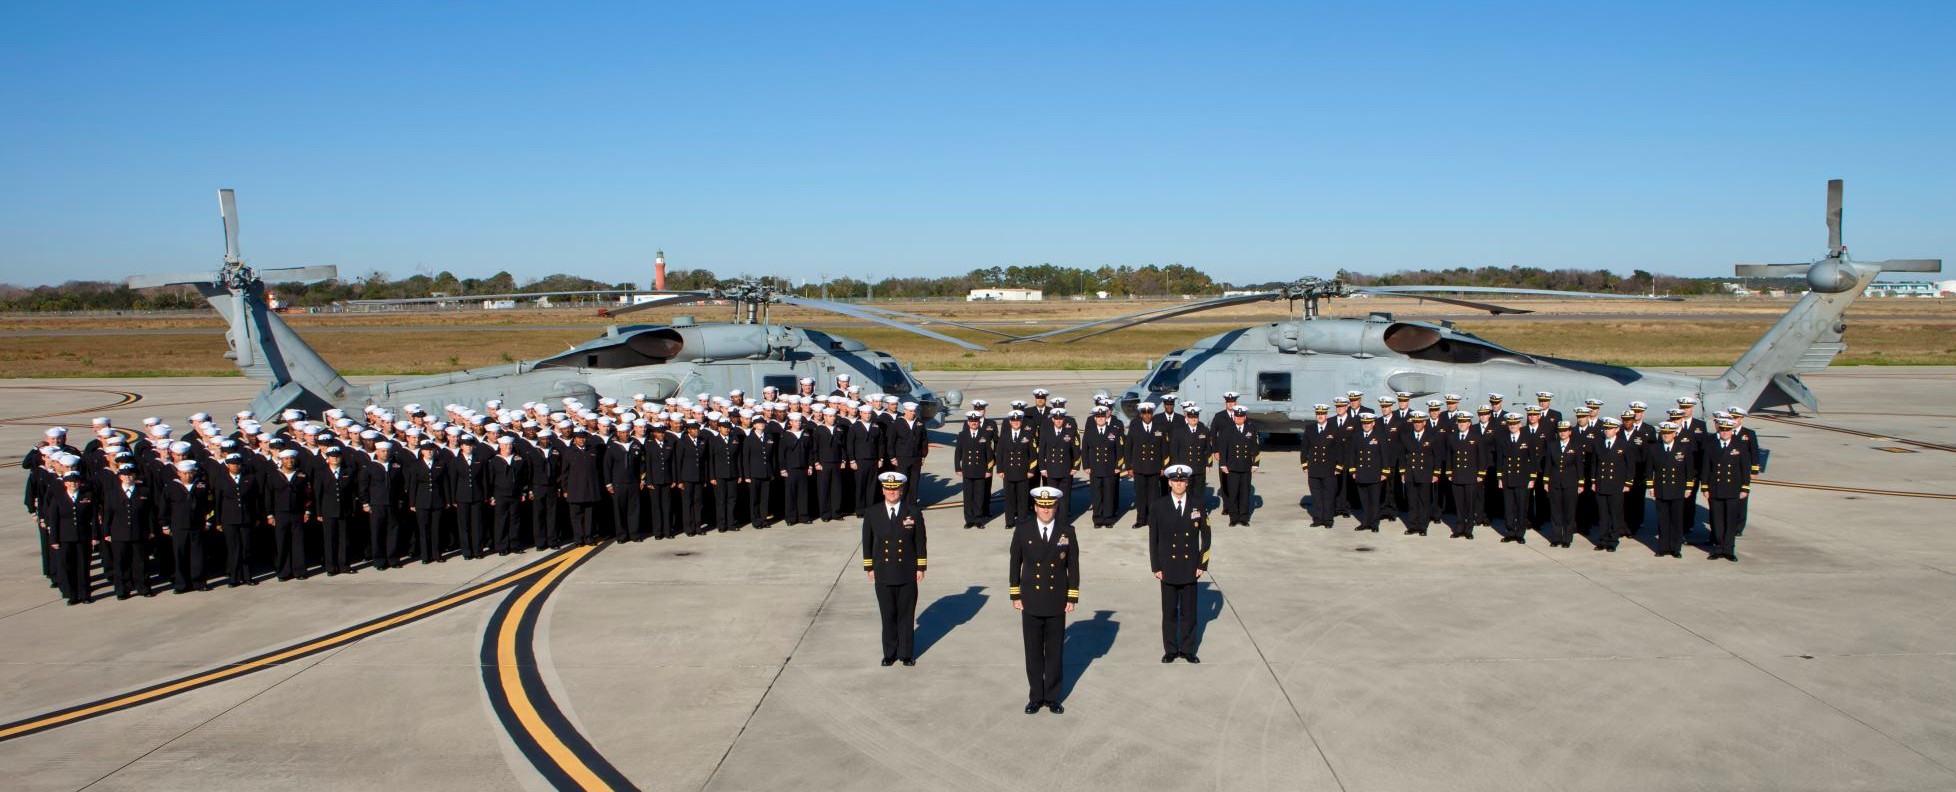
(659, 271)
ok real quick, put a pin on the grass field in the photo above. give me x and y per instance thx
(1699, 332)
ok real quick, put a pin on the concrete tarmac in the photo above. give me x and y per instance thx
(1824, 660)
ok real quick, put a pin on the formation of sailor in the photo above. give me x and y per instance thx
(1532, 471)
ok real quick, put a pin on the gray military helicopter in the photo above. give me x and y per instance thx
(658, 360)
(1280, 369)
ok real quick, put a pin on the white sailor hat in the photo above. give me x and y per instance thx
(1635, 405)
(245, 415)
(892, 480)
(505, 440)
(1544, 395)
(607, 402)
(746, 413)
(807, 380)
(841, 378)
(1727, 423)
(68, 460)
(889, 399)
(1402, 395)
(1320, 408)
(1353, 394)
(100, 421)
(56, 431)
(1735, 412)
(605, 420)
(1056, 412)
(794, 417)
(828, 411)
(770, 389)
(1230, 396)
(1611, 421)
(1041, 393)
(638, 397)
(1453, 397)
(1340, 400)
(1239, 410)
(736, 392)
(1686, 401)
(1178, 472)
(105, 432)
(908, 406)
(980, 403)
(493, 403)
(383, 445)
(288, 454)
(627, 415)
(1191, 409)
(1100, 409)
(1045, 496)
(1434, 404)
(186, 465)
(1667, 426)
(180, 447)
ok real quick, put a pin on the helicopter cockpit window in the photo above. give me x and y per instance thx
(892, 378)
(1167, 377)
(1273, 386)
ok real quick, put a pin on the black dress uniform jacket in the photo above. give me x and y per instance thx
(894, 549)
(1178, 541)
(1045, 572)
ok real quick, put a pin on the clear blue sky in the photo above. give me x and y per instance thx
(1257, 141)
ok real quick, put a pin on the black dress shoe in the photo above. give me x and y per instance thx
(1507, 539)
(1033, 708)
(1190, 656)
(1168, 658)
(1521, 540)
(910, 661)
(1611, 548)
(889, 661)
(1055, 708)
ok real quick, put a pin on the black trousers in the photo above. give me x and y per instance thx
(509, 520)
(865, 478)
(1670, 523)
(427, 534)
(583, 522)
(1324, 497)
(187, 551)
(828, 491)
(1222, 483)
(383, 535)
(1236, 495)
(657, 514)
(759, 492)
(1018, 499)
(1147, 487)
(692, 507)
(472, 522)
(1490, 502)
(1044, 636)
(237, 552)
(1466, 507)
(726, 503)
(546, 519)
(1562, 509)
(1422, 505)
(333, 532)
(794, 496)
(1105, 492)
(1609, 518)
(977, 500)
(1368, 504)
(913, 478)
(898, 604)
(71, 570)
(1633, 509)
(1727, 516)
(1178, 617)
(625, 524)
(289, 545)
(1514, 504)
(131, 572)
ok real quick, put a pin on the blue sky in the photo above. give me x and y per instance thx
(1257, 141)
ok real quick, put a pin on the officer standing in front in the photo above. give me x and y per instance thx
(1178, 549)
(1044, 586)
(894, 559)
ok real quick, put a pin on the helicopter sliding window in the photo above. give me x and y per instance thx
(892, 378)
(785, 383)
(1167, 377)
(1273, 386)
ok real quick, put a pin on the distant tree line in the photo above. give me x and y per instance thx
(1053, 280)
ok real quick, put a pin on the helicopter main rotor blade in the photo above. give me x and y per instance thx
(1384, 290)
(1478, 306)
(1179, 310)
(850, 310)
(1833, 214)
(307, 274)
(509, 296)
(922, 319)
(1143, 317)
(676, 299)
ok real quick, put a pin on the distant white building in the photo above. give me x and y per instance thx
(1910, 289)
(498, 305)
(1017, 295)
